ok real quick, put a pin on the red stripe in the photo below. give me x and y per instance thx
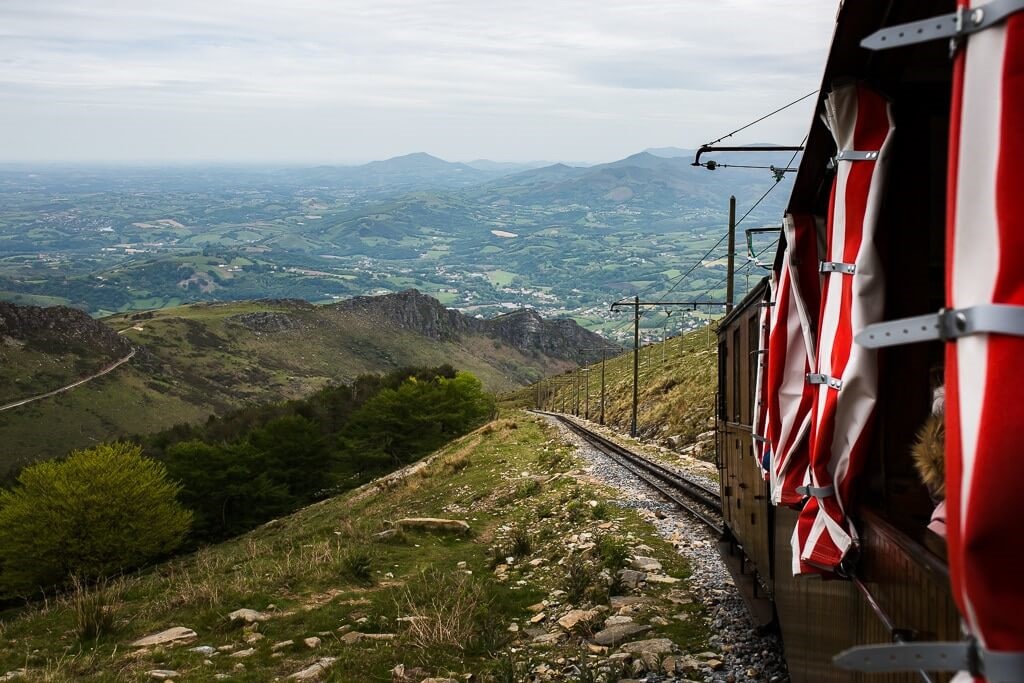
(989, 557)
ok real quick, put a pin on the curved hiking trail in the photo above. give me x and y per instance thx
(71, 386)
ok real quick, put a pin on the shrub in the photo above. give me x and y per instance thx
(99, 512)
(451, 612)
(601, 510)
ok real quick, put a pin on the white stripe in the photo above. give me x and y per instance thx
(976, 247)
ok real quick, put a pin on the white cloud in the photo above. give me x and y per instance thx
(180, 79)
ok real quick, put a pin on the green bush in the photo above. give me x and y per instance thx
(99, 512)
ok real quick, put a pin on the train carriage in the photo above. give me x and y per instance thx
(829, 436)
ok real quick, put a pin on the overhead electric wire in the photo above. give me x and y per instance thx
(756, 121)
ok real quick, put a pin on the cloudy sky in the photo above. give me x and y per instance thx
(353, 80)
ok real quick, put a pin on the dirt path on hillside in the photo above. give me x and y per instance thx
(71, 386)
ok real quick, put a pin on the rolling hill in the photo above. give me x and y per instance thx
(202, 359)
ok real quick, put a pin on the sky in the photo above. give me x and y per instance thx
(348, 81)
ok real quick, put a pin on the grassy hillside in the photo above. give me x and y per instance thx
(202, 359)
(676, 389)
(338, 584)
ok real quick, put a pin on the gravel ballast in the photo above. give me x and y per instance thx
(746, 655)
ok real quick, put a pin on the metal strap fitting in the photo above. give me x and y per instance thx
(816, 491)
(955, 26)
(946, 325)
(819, 378)
(851, 155)
(995, 667)
(758, 438)
(837, 267)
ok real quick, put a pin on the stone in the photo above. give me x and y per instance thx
(549, 638)
(659, 621)
(617, 619)
(646, 564)
(385, 535)
(241, 654)
(312, 642)
(632, 578)
(171, 635)
(668, 665)
(282, 645)
(576, 617)
(617, 602)
(204, 650)
(597, 649)
(352, 637)
(314, 671)
(715, 664)
(539, 607)
(661, 578)
(660, 646)
(163, 674)
(434, 524)
(537, 618)
(614, 635)
(439, 680)
(254, 637)
(249, 616)
(651, 660)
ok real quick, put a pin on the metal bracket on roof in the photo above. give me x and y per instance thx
(947, 325)
(816, 491)
(955, 26)
(968, 655)
(837, 267)
(819, 378)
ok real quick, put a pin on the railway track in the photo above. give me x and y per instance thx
(696, 499)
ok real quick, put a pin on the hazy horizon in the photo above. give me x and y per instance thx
(343, 83)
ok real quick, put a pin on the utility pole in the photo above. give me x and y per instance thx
(636, 304)
(586, 404)
(636, 361)
(730, 258)
(576, 384)
(603, 353)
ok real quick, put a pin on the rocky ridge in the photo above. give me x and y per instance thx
(524, 330)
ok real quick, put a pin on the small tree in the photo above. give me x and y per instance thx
(100, 511)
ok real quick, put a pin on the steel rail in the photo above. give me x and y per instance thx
(668, 483)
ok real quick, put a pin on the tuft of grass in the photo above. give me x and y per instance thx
(613, 553)
(450, 611)
(520, 544)
(579, 577)
(357, 565)
(528, 488)
(94, 608)
(601, 511)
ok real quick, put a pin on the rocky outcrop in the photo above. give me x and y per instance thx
(58, 329)
(524, 330)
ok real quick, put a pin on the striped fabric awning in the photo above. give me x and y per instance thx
(845, 379)
(984, 403)
(794, 317)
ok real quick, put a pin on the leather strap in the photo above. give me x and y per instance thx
(837, 267)
(956, 25)
(995, 667)
(816, 491)
(946, 325)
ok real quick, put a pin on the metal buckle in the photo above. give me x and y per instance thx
(837, 267)
(819, 378)
(954, 26)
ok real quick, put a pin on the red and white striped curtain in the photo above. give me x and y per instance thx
(794, 317)
(984, 372)
(846, 375)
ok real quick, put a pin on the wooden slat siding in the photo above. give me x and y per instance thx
(820, 618)
(912, 587)
(817, 618)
